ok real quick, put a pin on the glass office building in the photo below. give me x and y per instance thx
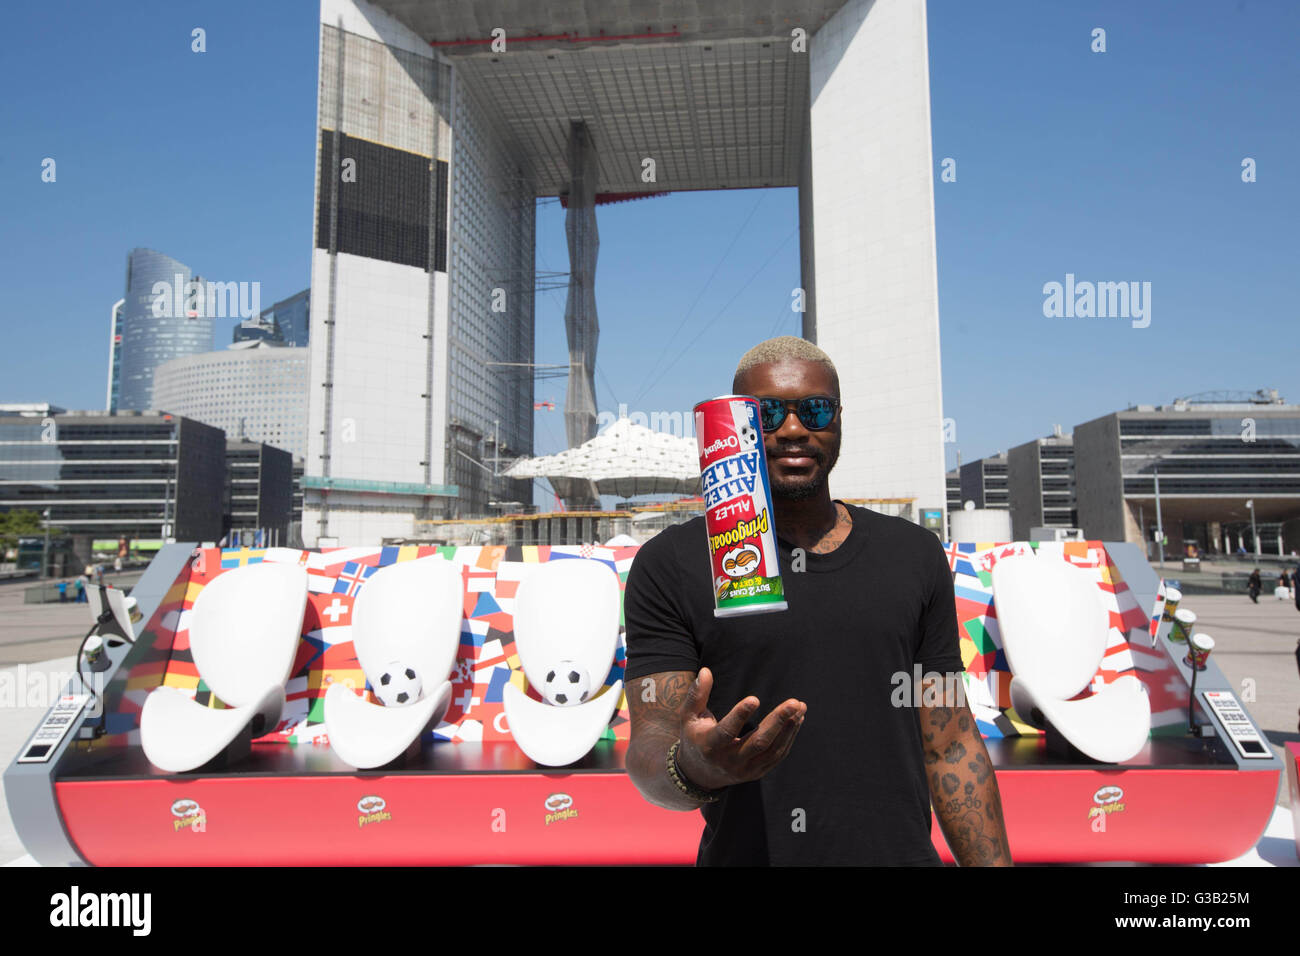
(1040, 485)
(259, 494)
(288, 322)
(292, 318)
(101, 475)
(147, 339)
(984, 481)
(1216, 465)
(114, 355)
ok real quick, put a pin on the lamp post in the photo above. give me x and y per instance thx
(45, 551)
(1253, 534)
(1160, 528)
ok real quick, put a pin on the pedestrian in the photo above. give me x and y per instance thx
(117, 564)
(1282, 580)
(81, 591)
(63, 591)
(1253, 585)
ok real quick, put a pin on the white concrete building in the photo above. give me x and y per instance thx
(250, 390)
(440, 124)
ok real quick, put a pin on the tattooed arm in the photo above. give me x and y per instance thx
(654, 703)
(674, 705)
(963, 787)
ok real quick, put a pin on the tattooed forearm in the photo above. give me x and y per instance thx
(964, 789)
(654, 703)
(666, 693)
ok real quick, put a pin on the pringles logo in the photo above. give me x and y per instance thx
(738, 533)
(188, 814)
(559, 806)
(728, 441)
(371, 810)
(1106, 800)
(740, 561)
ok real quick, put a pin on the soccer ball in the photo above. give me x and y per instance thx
(398, 685)
(566, 684)
(748, 436)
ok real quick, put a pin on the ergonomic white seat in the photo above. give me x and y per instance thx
(565, 609)
(1054, 629)
(410, 613)
(244, 631)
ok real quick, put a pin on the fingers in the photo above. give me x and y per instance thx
(697, 694)
(783, 744)
(728, 728)
(771, 734)
(739, 759)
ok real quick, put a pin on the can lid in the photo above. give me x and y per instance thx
(723, 398)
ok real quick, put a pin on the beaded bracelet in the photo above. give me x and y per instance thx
(684, 785)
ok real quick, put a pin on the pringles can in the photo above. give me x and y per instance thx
(738, 507)
(1172, 597)
(1198, 651)
(1184, 623)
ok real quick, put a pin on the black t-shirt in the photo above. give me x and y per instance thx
(852, 790)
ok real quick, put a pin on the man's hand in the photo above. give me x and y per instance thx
(712, 754)
(672, 706)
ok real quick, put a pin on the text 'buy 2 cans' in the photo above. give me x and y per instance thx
(738, 507)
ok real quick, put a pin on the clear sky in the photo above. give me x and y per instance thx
(1117, 166)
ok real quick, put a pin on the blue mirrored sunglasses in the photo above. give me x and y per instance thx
(815, 413)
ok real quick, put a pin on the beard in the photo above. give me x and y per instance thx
(801, 489)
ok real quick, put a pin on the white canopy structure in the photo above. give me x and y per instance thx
(625, 459)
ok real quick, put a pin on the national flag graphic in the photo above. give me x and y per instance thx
(351, 578)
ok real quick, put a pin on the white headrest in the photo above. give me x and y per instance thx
(244, 629)
(1052, 621)
(409, 612)
(567, 609)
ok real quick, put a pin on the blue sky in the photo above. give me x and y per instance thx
(1115, 166)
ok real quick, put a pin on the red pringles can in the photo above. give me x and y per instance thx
(738, 507)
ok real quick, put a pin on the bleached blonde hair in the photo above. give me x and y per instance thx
(784, 348)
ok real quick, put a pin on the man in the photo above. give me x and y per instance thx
(1254, 585)
(836, 772)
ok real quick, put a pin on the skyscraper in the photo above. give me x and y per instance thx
(292, 318)
(285, 323)
(114, 355)
(437, 132)
(153, 330)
